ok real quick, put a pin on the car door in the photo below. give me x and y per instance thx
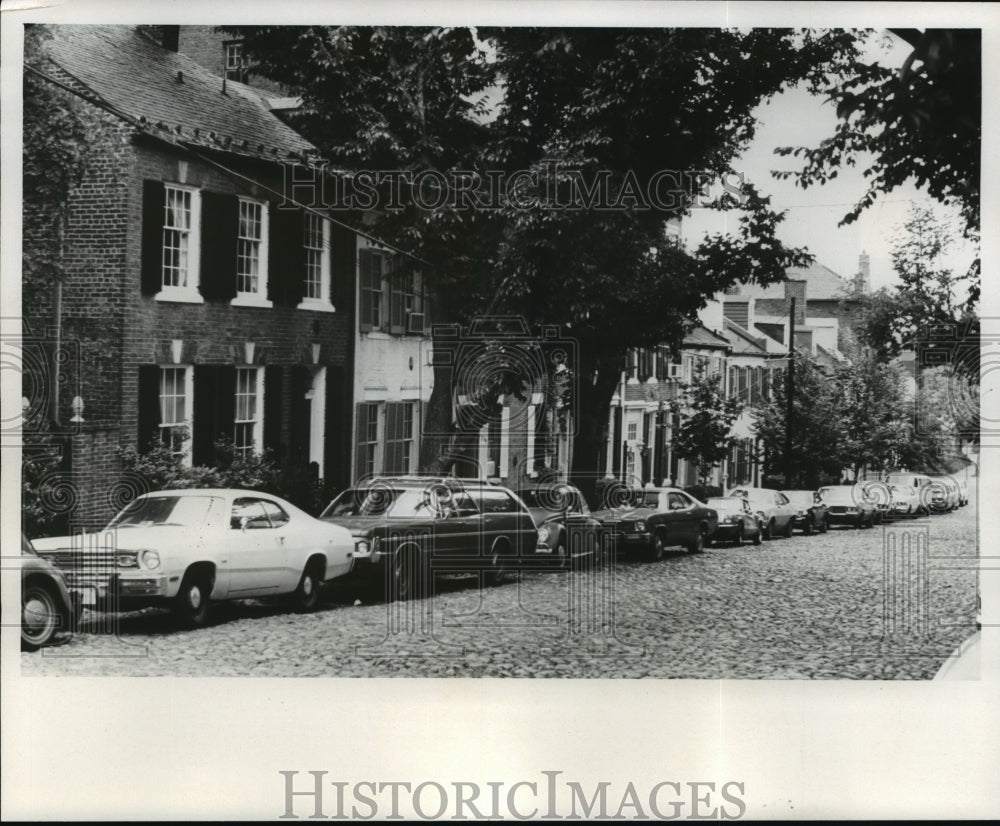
(679, 519)
(458, 526)
(257, 558)
(783, 508)
(291, 546)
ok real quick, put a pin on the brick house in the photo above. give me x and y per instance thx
(196, 294)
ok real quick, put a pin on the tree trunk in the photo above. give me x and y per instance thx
(593, 402)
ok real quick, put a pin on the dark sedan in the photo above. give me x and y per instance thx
(568, 534)
(848, 505)
(46, 607)
(407, 530)
(737, 520)
(810, 512)
(659, 518)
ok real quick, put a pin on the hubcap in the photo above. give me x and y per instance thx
(35, 614)
(307, 585)
(194, 597)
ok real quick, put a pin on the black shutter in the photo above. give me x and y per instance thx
(148, 406)
(286, 281)
(299, 420)
(337, 431)
(343, 268)
(273, 391)
(214, 410)
(153, 217)
(220, 229)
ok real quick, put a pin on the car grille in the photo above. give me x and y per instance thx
(84, 569)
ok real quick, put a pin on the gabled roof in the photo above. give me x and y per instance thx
(169, 94)
(742, 340)
(700, 336)
(822, 283)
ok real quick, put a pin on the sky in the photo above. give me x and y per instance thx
(796, 118)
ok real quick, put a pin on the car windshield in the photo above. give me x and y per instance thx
(841, 495)
(164, 510)
(903, 490)
(381, 501)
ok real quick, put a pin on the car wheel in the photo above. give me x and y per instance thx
(657, 549)
(758, 537)
(789, 529)
(191, 602)
(769, 530)
(403, 576)
(808, 529)
(497, 574)
(698, 543)
(824, 525)
(41, 618)
(306, 596)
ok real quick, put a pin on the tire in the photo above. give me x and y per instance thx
(698, 543)
(789, 529)
(191, 603)
(824, 525)
(656, 550)
(41, 618)
(306, 596)
(403, 576)
(758, 537)
(769, 530)
(808, 529)
(739, 537)
(497, 574)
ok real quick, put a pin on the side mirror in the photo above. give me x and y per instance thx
(244, 521)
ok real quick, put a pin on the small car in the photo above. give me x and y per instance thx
(848, 505)
(913, 480)
(183, 549)
(945, 495)
(737, 520)
(906, 501)
(810, 512)
(46, 605)
(777, 514)
(568, 535)
(658, 518)
(408, 529)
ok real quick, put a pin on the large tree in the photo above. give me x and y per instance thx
(579, 110)
(706, 416)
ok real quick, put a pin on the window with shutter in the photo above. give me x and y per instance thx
(178, 244)
(371, 265)
(175, 391)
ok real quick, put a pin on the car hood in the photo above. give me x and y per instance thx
(618, 514)
(541, 515)
(126, 539)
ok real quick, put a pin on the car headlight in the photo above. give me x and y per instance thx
(543, 533)
(640, 525)
(150, 559)
(127, 560)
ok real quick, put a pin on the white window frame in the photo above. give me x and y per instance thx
(359, 472)
(185, 455)
(323, 303)
(259, 297)
(188, 294)
(258, 420)
(234, 47)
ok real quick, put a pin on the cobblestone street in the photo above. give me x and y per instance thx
(887, 603)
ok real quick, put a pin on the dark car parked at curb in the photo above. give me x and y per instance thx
(810, 512)
(568, 535)
(659, 518)
(849, 505)
(46, 607)
(408, 530)
(737, 520)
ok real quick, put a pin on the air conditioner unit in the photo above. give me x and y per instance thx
(415, 323)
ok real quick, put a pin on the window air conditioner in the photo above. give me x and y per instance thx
(415, 323)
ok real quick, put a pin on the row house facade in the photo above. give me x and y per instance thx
(202, 302)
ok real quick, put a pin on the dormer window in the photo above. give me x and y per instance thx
(234, 61)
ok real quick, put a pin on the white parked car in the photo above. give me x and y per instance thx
(905, 501)
(182, 549)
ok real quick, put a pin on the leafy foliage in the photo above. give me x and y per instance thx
(706, 417)
(921, 123)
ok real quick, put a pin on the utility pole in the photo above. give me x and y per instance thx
(789, 395)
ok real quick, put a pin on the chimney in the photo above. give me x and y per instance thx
(796, 288)
(166, 36)
(864, 272)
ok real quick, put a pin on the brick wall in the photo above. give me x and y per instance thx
(204, 45)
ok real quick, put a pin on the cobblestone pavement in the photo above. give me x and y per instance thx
(887, 603)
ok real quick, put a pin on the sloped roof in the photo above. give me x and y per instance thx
(169, 94)
(700, 336)
(742, 340)
(822, 283)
